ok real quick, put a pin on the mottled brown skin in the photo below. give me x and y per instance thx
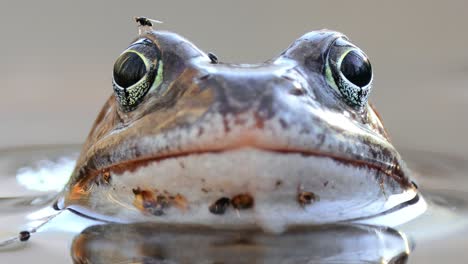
(242, 201)
(155, 202)
(290, 91)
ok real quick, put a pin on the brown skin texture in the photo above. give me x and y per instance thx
(183, 114)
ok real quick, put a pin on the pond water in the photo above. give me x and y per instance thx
(31, 177)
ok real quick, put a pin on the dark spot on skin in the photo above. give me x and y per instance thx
(320, 139)
(157, 207)
(204, 77)
(220, 206)
(107, 158)
(289, 78)
(103, 178)
(304, 130)
(205, 190)
(242, 201)
(24, 236)
(155, 203)
(226, 126)
(325, 184)
(136, 191)
(283, 123)
(106, 177)
(136, 151)
(306, 198)
(259, 122)
(297, 91)
(148, 201)
(182, 165)
(200, 131)
(213, 58)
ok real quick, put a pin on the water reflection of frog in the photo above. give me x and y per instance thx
(292, 141)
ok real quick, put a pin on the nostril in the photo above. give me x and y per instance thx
(297, 90)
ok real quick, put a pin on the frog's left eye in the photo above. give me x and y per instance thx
(349, 72)
(136, 71)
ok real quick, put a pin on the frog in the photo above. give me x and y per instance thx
(186, 139)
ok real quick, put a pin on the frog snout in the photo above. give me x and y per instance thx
(265, 97)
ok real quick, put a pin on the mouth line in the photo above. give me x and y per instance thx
(393, 170)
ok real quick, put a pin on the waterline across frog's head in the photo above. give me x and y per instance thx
(292, 141)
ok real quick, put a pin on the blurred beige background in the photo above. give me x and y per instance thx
(56, 58)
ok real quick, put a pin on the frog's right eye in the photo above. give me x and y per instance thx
(349, 72)
(129, 69)
(136, 71)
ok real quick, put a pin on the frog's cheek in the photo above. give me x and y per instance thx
(270, 190)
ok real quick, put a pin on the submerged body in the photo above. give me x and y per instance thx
(292, 141)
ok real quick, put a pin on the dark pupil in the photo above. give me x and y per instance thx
(129, 69)
(356, 68)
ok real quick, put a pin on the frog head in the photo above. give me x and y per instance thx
(186, 139)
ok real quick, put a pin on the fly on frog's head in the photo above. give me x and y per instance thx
(180, 124)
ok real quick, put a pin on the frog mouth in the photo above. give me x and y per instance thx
(273, 178)
(393, 170)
